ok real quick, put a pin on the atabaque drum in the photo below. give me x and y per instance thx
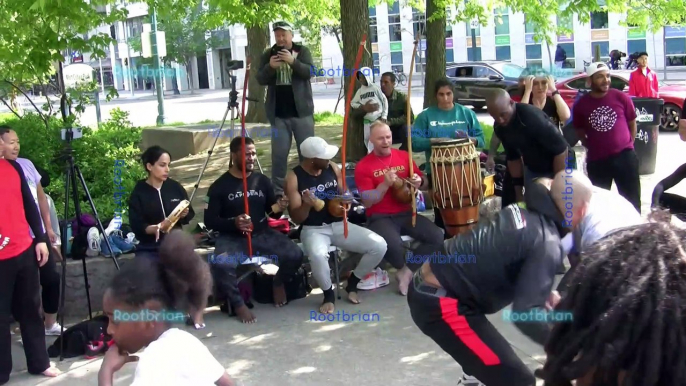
(457, 184)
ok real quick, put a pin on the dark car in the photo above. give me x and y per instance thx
(473, 80)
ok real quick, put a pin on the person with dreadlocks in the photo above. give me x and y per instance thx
(157, 289)
(627, 303)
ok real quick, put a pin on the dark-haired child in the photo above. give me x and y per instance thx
(178, 280)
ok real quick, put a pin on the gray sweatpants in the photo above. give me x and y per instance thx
(317, 239)
(282, 138)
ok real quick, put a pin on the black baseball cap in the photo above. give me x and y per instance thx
(282, 25)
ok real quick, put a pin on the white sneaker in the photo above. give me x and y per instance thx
(93, 242)
(468, 380)
(368, 282)
(55, 330)
(114, 225)
(382, 279)
(375, 279)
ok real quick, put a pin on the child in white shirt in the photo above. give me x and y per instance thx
(369, 92)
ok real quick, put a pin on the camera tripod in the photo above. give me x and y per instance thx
(232, 108)
(73, 176)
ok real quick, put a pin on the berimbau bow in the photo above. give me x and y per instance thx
(244, 133)
(408, 114)
(351, 89)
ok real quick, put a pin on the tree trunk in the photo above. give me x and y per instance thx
(352, 29)
(189, 76)
(435, 52)
(258, 40)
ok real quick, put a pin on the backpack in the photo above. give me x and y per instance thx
(296, 288)
(77, 337)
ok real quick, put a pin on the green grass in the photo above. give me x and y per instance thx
(328, 118)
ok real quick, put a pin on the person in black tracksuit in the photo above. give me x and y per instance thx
(674, 202)
(515, 259)
(153, 200)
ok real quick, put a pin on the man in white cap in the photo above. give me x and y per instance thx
(286, 69)
(315, 190)
(605, 121)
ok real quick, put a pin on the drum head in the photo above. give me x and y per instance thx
(453, 142)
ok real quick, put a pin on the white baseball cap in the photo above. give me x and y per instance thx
(316, 147)
(595, 68)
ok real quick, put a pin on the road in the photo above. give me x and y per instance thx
(209, 105)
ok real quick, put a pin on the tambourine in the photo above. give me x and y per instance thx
(175, 215)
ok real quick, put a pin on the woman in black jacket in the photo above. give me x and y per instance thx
(151, 203)
(153, 200)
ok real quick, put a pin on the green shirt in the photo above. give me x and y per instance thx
(436, 123)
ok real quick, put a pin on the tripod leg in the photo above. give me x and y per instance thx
(209, 153)
(77, 210)
(65, 244)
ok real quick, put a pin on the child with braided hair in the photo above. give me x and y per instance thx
(178, 280)
(628, 300)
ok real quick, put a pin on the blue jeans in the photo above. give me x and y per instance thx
(118, 244)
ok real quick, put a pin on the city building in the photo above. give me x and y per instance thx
(508, 37)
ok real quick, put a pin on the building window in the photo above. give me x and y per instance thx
(528, 26)
(397, 61)
(449, 55)
(534, 55)
(636, 46)
(418, 23)
(675, 46)
(604, 50)
(569, 51)
(599, 20)
(502, 34)
(503, 53)
(470, 54)
(394, 30)
(502, 21)
(448, 26)
(420, 62)
(375, 57)
(373, 33)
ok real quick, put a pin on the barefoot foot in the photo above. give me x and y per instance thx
(280, 299)
(352, 297)
(244, 314)
(51, 372)
(404, 276)
(326, 308)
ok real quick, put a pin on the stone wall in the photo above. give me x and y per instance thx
(100, 271)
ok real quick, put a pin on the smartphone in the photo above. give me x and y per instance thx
(276, 50)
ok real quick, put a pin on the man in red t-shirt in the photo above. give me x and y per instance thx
(375, 175)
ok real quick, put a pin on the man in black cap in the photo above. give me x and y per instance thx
(285, 69)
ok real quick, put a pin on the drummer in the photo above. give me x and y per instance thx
(444, 122)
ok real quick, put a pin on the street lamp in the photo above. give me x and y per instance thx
(155, 47)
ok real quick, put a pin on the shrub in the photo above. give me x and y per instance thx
(94, 154)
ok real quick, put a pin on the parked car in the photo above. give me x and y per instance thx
(473, 80)
(673, 96)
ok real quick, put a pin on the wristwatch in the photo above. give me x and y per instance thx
(556, 92)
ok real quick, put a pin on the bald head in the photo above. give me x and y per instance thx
(571, 193)
(500, 106)
(381, 137)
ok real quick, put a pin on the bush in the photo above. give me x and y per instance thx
(488, 133)
(95, 155)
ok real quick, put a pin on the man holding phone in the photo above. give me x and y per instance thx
(285, 69)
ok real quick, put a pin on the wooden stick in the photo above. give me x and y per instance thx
(408, 114)
(351, 89)
(244, 133)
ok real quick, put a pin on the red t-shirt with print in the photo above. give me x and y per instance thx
(369, 173)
